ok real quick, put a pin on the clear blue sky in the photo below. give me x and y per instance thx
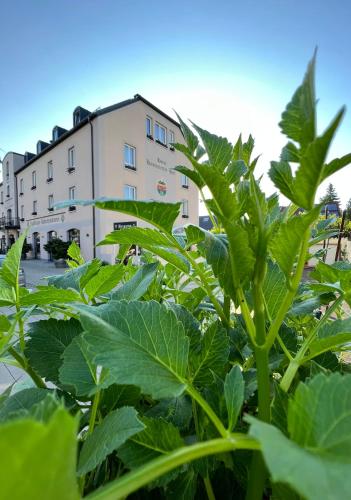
(231, 66)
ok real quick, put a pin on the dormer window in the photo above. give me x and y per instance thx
(55, 134)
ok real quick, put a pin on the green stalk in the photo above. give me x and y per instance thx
(298, 360)
(289, 297)
(27, 368)
(94, 409)
(208, 410)
(132, 481)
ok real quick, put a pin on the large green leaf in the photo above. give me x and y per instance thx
(21, 402)
(76, 278)
(9, 271)
(234, 395)
(274, 289)
(104, 280)
(284, 246)
(213, 355)
(137, 286)
(319, 449)
(158, 437)
(47, 342)
(218, 149)
(335, 165)
(139, 236)
(189, 136)
(38, 459)
(49, 295)
(142, 343)
(331, 337)
(192, 174)
(78, 373)
(160, 215)
(309, 173)
(299, 118)
(114, 430)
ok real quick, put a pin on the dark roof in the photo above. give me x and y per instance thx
(205, 222)
(93, 115)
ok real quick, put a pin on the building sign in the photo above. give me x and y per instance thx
(161, 188)
(123, 225)
(160, 165)
(59, 218)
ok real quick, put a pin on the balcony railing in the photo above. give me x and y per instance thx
(9, 223)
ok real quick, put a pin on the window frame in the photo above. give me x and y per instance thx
(128, 165)
(171, 139)
(71, 159)
(184, 181)
(21, 186)
(132, 189)
(7, 170)
(35, 207)
(8, 191)
(70, 190)
(185, 211)
(157, 124)
(149, 134)
(34, 179)
(50, 171)
(51, 202)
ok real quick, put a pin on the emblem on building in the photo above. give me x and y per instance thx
(161, 188)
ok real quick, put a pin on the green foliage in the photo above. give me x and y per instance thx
(57, 248)
(214, 367)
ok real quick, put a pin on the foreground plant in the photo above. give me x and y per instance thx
(208, 372)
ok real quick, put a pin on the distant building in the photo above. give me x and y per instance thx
(330, 209)
(205, 222)
(123, 151)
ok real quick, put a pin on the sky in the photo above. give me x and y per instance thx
(229, 66)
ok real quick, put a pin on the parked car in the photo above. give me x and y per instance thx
(22, 276)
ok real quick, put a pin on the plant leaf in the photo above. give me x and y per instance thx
(285, 245)
(159, 437)
(274, 289)
(50, 295)
(104, 280)
(330, 337)
(234, 387)
(47, 342)
(75, 254)
(213, 355)
(218, 149)
(76, 278)
(319, 449)
(21, 402)
(142, 343)
(44, 458)
(192, 174)
(189, 136)
(10, 267)
(114, 430)
(139, 236)
(137, 286)
(78, 373)
(335, 165)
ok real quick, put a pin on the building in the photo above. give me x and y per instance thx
(122, 151)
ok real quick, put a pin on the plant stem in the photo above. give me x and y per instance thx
(245, 311)
(298, 360)
(27, 368)
(209, 489)
(289, 297)
(132, 481)
(94, 409)
(208, 410)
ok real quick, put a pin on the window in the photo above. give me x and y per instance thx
(34, 180)
(72, 193)
(21, 187)
(160, 134)
(185, 209)
(50, 171)
(8, 191)
(74, 235)
(22, 212)
(171, 140)
(129, 192)
(7, 170)
(2, 197)
(149, 127)
(185, 181)
(129, 157)
(51, 202)
(35, 207)
(71, 159)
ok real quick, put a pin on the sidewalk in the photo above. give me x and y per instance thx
(37, 270)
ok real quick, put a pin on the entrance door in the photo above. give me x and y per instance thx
(36, 245)
(51, 236)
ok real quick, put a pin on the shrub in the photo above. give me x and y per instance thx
(213, 369)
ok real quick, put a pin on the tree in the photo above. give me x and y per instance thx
(348, 210)
(331, 196)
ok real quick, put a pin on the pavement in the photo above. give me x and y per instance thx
(36, 271)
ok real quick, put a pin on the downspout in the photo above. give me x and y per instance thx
(92, 180)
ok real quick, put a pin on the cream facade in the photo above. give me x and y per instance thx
(124, 152)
